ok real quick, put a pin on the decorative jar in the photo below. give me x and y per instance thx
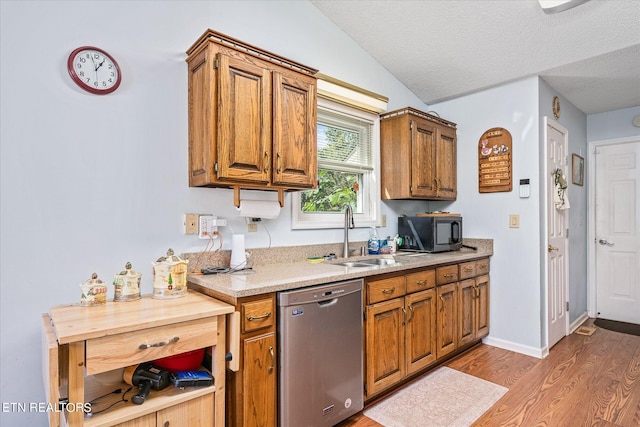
(94, 292)
(170, 276)
(127, 284)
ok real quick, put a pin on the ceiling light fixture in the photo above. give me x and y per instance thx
(555, 6)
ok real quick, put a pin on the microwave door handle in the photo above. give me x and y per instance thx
(455, 232)
(415, 235)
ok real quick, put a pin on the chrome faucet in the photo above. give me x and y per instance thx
(348, 223)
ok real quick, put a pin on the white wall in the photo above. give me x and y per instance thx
(91, 182)
(612, 124)
(515, 265)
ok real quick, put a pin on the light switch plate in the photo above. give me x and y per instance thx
(514, 221)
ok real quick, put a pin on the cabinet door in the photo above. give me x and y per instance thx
(195, 412)
(259, 381)
(446, 319)
(148, 420)
(294, 131)
(446, 164)
(423, 172)
(385, 353)
(244, 121)
(420, 330)
(466, 311)
(482, 306)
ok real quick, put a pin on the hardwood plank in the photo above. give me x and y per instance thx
(585, 381)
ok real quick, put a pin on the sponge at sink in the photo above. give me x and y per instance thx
(315, 259)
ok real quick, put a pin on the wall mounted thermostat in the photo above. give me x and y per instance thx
(524, 188)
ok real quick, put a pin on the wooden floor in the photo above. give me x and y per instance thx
(585, 381)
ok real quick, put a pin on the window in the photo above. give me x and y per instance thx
(348, 163)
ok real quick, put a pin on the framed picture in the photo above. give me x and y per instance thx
(577, 174)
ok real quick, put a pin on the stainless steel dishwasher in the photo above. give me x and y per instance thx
(320, 354)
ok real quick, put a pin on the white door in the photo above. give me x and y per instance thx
(617, 233)
(557, 248)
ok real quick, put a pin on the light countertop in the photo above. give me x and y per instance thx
(275, 277)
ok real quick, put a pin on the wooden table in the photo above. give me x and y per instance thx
(80, 342)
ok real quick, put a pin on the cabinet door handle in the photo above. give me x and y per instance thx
(266, 161)
(441, 303)
(389, 291)
(272, 354)
(279, 162)
(436, 181)
(158, 344)
(411, 313)
(263, 316)
(404, 318)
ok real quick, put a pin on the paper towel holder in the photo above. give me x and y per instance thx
(236, 195)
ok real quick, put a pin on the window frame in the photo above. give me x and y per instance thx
(370, 215)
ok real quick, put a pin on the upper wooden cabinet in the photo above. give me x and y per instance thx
(252, 117)
(417, 156)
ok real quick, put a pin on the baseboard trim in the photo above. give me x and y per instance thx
(539, 353)
(579, 321)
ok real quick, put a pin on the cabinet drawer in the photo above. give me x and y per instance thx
(467, 269)
(447, 274)
(421, 281)
(386, 289)
(130, 348)
(257, 314)
(482, 266)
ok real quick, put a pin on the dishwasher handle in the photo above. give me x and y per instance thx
(328, 302)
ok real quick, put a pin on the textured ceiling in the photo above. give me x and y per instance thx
(442, 49)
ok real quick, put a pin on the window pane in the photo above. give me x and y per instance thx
(335, 190)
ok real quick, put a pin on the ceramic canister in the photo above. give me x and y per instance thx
(94, 292)
(170, 276)
(127, 284)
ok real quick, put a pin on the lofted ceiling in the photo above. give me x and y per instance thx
(443, 49)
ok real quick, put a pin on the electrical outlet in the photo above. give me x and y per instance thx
(191, 223)
(206, 227)
(252, 227)
(514, 221)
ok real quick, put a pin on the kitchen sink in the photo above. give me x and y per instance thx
(377, 262)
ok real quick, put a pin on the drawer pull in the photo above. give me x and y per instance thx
(449, 275)
(468, 269)
(422, 282)
(158, 344)
(389, 291)
(264, 316)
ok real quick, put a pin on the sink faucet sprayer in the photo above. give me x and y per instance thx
(348, 223)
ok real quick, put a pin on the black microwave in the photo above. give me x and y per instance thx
(430, 232)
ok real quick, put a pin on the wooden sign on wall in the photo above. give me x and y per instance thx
(495, 161)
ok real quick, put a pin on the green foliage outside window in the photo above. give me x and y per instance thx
(335, 188)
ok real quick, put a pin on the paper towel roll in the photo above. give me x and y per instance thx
(259, 209)
(238, 254)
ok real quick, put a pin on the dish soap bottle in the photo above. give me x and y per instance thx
(374, 243)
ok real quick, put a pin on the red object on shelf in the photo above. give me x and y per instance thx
(188, 361)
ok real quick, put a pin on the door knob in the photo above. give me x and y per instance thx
(551, 248)
(604, 242)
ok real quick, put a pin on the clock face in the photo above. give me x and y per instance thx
(94, 70)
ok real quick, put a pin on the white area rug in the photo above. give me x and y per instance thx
(445, 397)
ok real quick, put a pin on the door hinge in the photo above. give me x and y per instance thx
(364, 316)
(215, 167)
(567, 304)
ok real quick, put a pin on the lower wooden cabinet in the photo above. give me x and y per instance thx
(415, 319)
(195, 412)
(252, 390)
(259, 380)
(400, 332)
(447, 322)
